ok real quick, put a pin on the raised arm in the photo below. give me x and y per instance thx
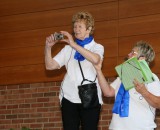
(94, 58)
(50, 63)
(107, 90)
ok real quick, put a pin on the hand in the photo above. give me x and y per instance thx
(98, 66)
(140, 87)
(50, 41)
(70, 39)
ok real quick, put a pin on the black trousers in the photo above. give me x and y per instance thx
(74, 116)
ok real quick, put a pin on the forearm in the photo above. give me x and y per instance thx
(90, 56)
(153, 100)
(107, 90)
(50, 64)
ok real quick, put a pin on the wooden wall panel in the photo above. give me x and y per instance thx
(108, 67)
(26, 56)
(38, 37)
(10, 7)
(118, 25)
(120, 59)
(133, 8)
(38, 73)
(32, 60)
(156, 65)
(28, 38)
(126, 43)
(139, 25)
(110, 56)
(53, 18)
(106, 29)
(29, 74)
(21, 56)
(21, 46)
(110, 47)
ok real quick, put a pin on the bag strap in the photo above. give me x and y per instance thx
(83, 75)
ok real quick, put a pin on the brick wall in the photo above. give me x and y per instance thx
(36, 106)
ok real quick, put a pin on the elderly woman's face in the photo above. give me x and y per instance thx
(133, 53)
(80, 30)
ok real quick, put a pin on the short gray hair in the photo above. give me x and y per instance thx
(145, 50)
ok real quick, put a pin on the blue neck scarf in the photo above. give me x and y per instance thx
(82, 43)
(121, 104)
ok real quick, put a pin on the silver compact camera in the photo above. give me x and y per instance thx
(58, 36)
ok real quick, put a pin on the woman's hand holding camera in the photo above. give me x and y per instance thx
(70, 39)
(50, 41)
(53, 39)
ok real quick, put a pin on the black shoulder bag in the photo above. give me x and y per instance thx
(88, 92)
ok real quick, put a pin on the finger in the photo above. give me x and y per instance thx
(101, 61)
(136, 83)
(66, 34)
(52, 37)
(48, 39)
(63, 32)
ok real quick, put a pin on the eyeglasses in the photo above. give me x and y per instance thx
(133, 52)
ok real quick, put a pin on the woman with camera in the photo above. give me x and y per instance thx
(81, 51)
